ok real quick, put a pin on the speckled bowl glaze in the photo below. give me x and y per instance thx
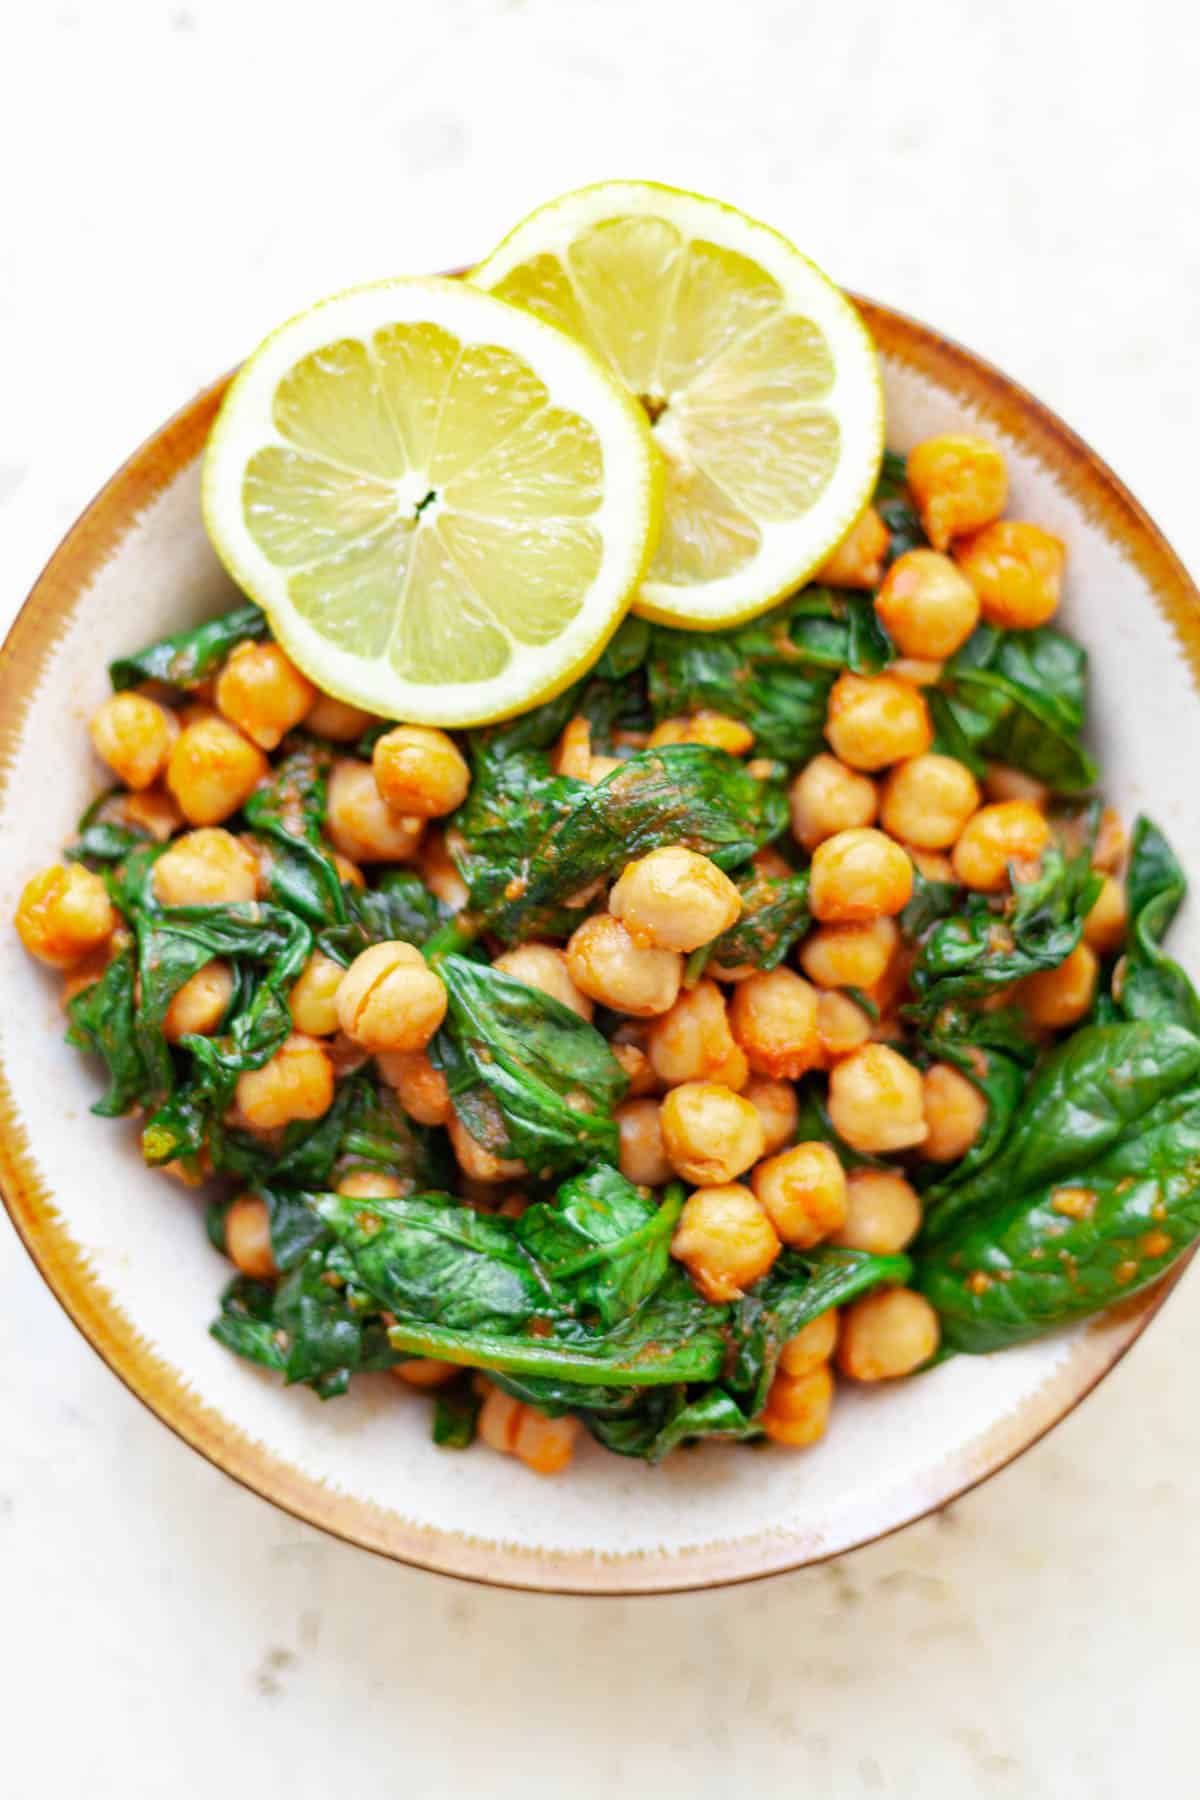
(126, 1253)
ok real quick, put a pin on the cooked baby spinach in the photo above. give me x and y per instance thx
(1150, 985)
(1018, 697)
(287, 814)
(187, 658)
(774, 917)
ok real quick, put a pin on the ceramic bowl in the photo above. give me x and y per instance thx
(126, 1253)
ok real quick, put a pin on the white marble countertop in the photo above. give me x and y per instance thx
(178, 175)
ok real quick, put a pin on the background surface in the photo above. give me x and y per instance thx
(177, 178)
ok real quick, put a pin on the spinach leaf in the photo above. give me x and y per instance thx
(603, 1242)
(455, 1414)
(1151, 985)
(187, 658)
(894, 505)
(400, 907)
(103, 1020)
(104, 833)
(665, 1418)
(999, 1075)
(515, 800)
(931, 901)
(245, 1323)
(311, 1327)
(1017, 697)
(774, 916)
(288, 813)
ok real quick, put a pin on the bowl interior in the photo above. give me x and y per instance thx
(126, 1252)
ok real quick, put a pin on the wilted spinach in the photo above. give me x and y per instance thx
(1150, 984)
(1018, 697)
(187, 658)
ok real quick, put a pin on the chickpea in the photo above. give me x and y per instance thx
(600, 768)
(475, 1159)
(841, 1025)
(198, 1007)
(134, 735)
(858, 875)
(826, 797)
(637, 1069)
(777, 1108)
(545, 1445)
(248, 1238)
(212, 770)
(874, 720)
(883, 1212)
(734, 1072)
(208, 867)
(333, 719)
(1003, 783)
(573, 752)
(858, 560)
(420, 771)
(803, 1193)
(263, 693)
(498, 1418)
(774, 1018)
(64, 914)
(887, 1334)
(439, 872)
(955, 1112)
(693, 1039)
(1017, 571)
(349, 873)
(297, 1083)
(918, 671)
(959, 483)
(313, 999)
(876, 1101)
(932, 864)
(1104, 927)
(1056, 998)
(674, 899)
(642, 1157)
(544, 966)
(153, 811)
(371, 1184)
(725, 1240)
(361, 823)
(390, 999)
(798, 1408)
(420, 1088)
(812, 1345)
(713, 729)
(424, 1372)
(927, 606)
(1108, 852)
(1007, 831)
(839, 956)
(710, 1134)
(605, 964)
(928, 801)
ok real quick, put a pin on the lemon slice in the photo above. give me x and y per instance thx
(443, 505)
(758, 374)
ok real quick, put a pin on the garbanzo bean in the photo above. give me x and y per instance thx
(841, 1025)
(777, 1108)
(932, 864)
(858, 876)
(361, 823)
(333, 719)
(725, 1240)
(693, 1039)
(858, 560)
(642, 1157)
(803, 1193)
(887, 1334)
(674, 899)
(420, 771)
(248, 1238)
(874, 720)
(959, 483)
(349, 873)
(876, 1102)
(390, 999)
(425, 1372)
(955, 1112)
(798, 1407)
(154, 811)
(927, 606)
(209, 867)
(263, 693)
(1004, 783)
(710, 1134)
(928, 801)
(604, 962)
(1017, 571)
(812, 1345)
(1108, 852)
(826, 797)
(370, 1184)
(573, 752)
(64, 914)
(544, 966)
(297, 1083)
(997, 835)
(476, 1160)
(213, 769)
(198, 1007)
(713, 729)
(1056, 998)
(734, 1072)
(773, 1017)
(420, 1088)
(134, 735)
(635, 1065)
(313, 999)
(841, 956)
(545, 1445)
(1104, 927)
(439, 871)
(883, 1213)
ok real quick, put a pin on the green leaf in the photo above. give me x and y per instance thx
(603, 1242)
(455, 1414)
(188, 658)
(1153, 986)
(105, 834)
(774, 917)
(287, 814)
(931, 901)
(103, 1021)
(245, 1324)
(401, 907)
(665, 1418)
(1017, 697)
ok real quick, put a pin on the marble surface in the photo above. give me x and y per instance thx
(178, 176)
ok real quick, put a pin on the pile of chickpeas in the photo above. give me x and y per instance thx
(711, 1066)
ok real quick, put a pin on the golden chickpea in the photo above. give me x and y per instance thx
(361, 823)
(734, 1072)
(812, 1345)
(134, 735)
(439, 872)
(841, 956)
(774, 1018)
(420, 771)
(959, 483)
(927, 606)
(637, 1069)
(725, 1240)
(859, 875)
(883, 1212)
(693, 1039)
(1056, 998)
(208, 867)
(1104, 927)
(349, 873)
(213, 769)
(716, 731)
(198, 1007)
(1017, 571)
(371, 1184)
(674, 899)
(390, 999)
(420, 1088)
(152, 811)
(858, 560)
(642, 1157)
(573, 752)
(600, 768)
(876, 1102)
(297, 1083)
(887, 1334)
(604, 962)
(424, 1372)
(498, 1418)
(932, 864)
(928, 801)
(918, 671)
(64, 914)
(841, 1026)
(1004, 783)
(997, 835)
(803, 1193)
(826, 797)
(313, 999)
(798, 1407)
(333, 719)
(777, 1108)
(1108, 852)
(544, 1445)
(544, 966)
(476, 1160)
(263, 693)
(710, 1134)
(874, 720)
(248, 1238)
(955, 1112)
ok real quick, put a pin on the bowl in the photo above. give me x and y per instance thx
(126, 1253)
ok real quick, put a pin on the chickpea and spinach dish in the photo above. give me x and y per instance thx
(777, 1001)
